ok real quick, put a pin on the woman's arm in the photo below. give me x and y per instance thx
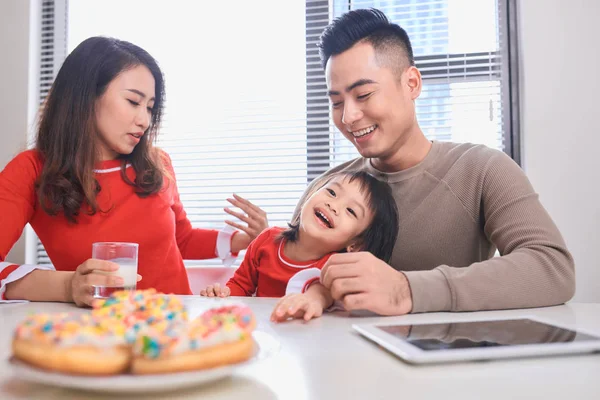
(65, 286)
(17, 205)
(41, 285)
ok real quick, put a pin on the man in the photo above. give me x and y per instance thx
(457, 203)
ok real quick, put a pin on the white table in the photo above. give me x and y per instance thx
(326, 359)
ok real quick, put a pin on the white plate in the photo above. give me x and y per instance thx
(265, 346)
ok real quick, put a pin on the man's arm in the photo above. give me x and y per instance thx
(535, 268)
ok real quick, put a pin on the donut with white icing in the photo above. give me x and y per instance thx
(139, 308)
(220, 336)
(73, 343)
(143, 332)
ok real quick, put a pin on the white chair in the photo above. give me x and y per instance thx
(201, 277)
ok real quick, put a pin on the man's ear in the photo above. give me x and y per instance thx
(414, 82)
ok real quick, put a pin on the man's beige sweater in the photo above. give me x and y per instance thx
(456, 207)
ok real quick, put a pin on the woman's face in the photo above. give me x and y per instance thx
(124, 112)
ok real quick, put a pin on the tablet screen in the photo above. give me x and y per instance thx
(463, 335)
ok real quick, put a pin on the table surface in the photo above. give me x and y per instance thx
(326, 359)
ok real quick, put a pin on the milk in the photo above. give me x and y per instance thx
(127, 270)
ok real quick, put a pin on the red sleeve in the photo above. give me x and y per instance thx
(245, 279)
(193, 243)
(17, 197)
(4, 273)
(319, 266)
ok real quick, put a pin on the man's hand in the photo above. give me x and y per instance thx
(361, 281)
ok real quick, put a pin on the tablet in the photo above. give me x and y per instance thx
(439, 342)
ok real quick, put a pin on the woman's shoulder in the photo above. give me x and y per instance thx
(28, 162)
(163, 156)
(20, 175)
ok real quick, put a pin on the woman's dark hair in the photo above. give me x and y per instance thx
(369, 25)
(66, 137)
(380, 236)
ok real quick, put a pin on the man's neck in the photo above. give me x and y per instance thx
(410, 153)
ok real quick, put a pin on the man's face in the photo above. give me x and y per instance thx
(372, 107)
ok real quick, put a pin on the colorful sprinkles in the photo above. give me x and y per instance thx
(154, 323)
(215, 326)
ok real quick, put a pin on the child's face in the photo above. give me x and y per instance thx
(336, 214)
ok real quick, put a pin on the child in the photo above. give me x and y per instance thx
(352, 211)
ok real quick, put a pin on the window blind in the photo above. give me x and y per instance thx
(458, 47)
(247, 110)
(52, 50)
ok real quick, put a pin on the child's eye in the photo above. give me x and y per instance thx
(331, 192)
(351, 211)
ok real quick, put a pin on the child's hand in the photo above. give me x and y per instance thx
(215, 291)
(298, 305)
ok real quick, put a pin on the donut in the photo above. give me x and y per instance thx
(218, 337)
(139, 308)
(74, 344)
(234, 313)
(136, 306)
(142, 332)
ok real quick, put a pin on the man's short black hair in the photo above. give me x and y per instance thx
(390, 41)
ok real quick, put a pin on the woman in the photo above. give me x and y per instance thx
(95, 176)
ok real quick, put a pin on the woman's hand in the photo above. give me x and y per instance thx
(92, 273)
(215, 291)
(254, 217)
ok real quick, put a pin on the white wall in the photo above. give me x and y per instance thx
(560, 123)
(15, 91)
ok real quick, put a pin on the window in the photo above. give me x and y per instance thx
(460, 47)
(246, 108)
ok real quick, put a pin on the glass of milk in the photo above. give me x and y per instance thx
(124, 254)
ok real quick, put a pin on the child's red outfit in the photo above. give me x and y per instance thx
(267, 272)
(158, 223)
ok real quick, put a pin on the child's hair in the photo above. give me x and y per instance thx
(380, 236)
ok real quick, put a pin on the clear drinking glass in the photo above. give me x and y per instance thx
(124, 254)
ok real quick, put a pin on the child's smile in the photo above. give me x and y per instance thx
(324, 218)
(335, 216)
